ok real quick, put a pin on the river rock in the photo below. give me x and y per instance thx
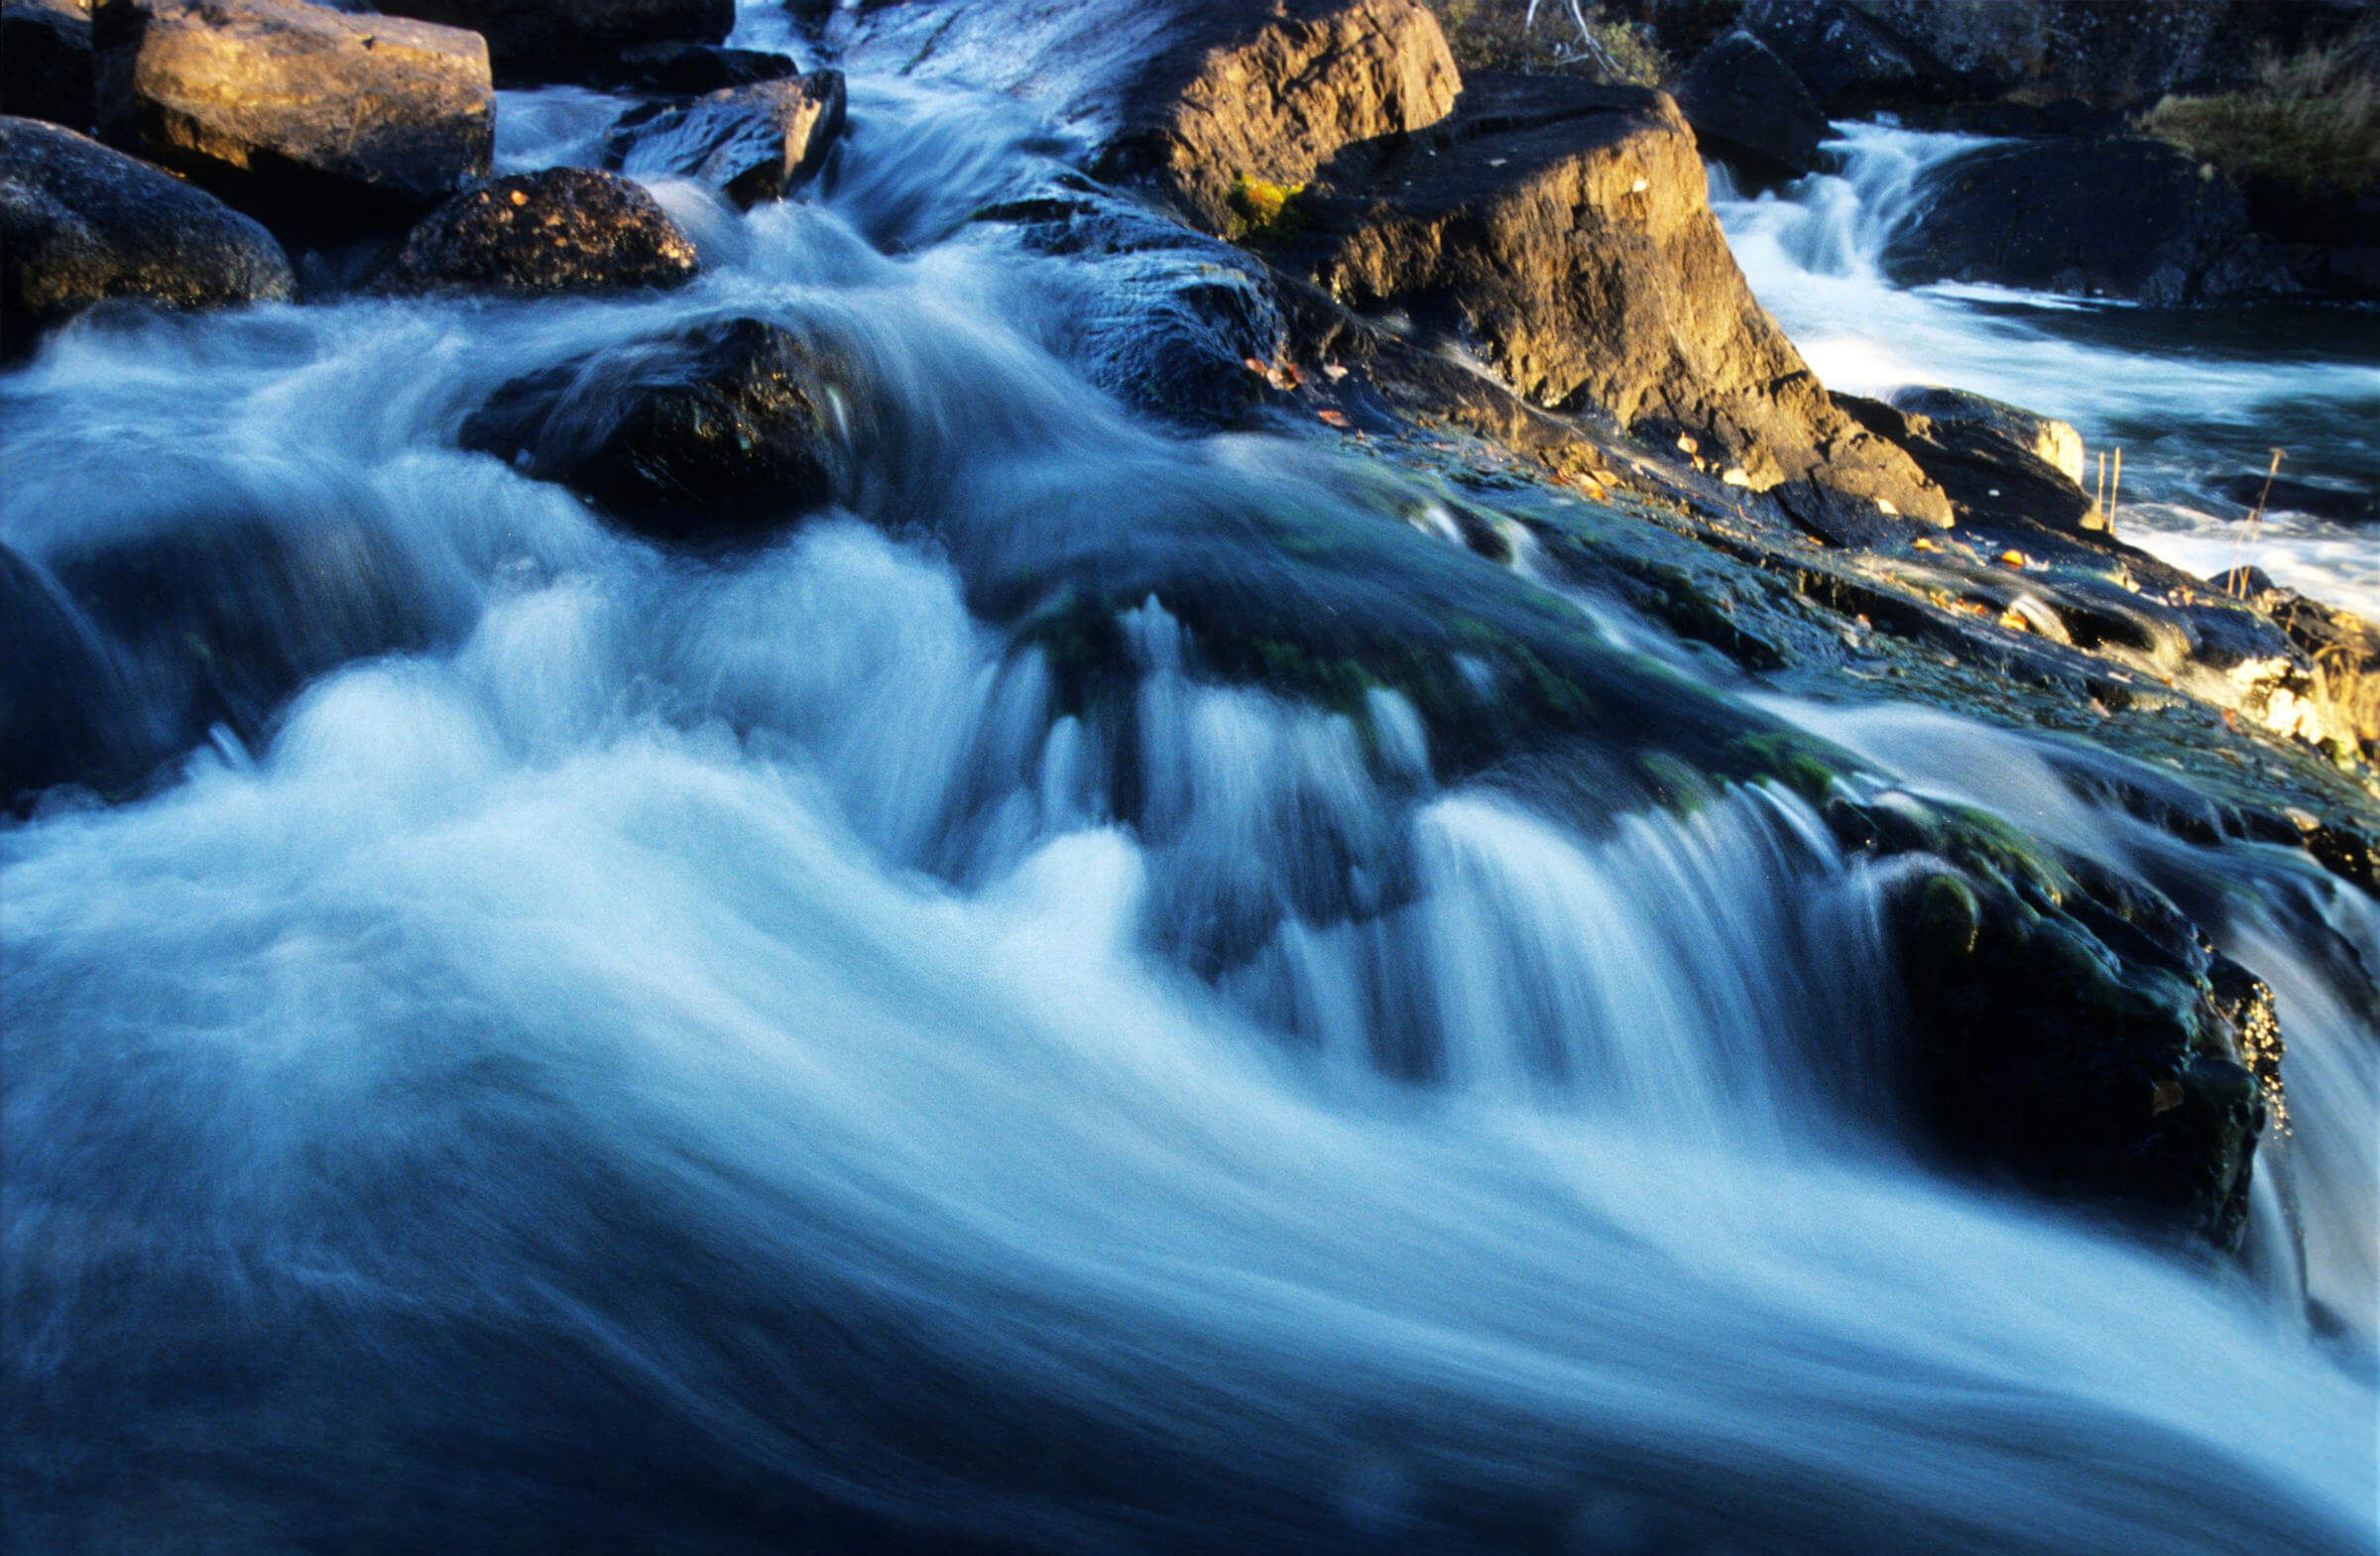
(2074, 1031)
(753, 143)
(1848, 60)
(1200, 98)
(2052, 442)
(46, 60)
(565, 39)
(1748, 109)
(567, 229)
(2127, 218)
(305, 116)
(80, 223)
(1563, 228)
(725, 428)
(1990, 465)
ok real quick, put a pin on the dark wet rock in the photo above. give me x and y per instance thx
(46, 60)
(2052, 442)
(1987, 457)
(2071, 1030)
(1839, 518)
(570, 40)
(565, 229)
(2278, 494)
(60, 701)
(1199, 98)
(1561, 229)
(728, 427)
(2117, 218)
(311, 118)
(80, 223)
(1848, 60)
(1166, 320)
(753, 143)
(1748, 109)
(688, 69)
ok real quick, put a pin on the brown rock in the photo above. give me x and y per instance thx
(297, 113)
(754, 143)
(565, 229)
(1563, 228)
(80, 223)
(1195, 96)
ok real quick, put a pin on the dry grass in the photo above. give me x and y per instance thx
(2309, 124)
(1548, 38)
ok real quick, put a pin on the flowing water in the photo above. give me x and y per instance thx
(728, 1053)
(2194, 397)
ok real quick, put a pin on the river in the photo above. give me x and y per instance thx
(721, 1055)
(2194, 397)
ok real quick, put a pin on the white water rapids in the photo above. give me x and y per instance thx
(2192, 396)
(696, 1055)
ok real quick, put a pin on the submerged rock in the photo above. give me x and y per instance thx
(565, 39)
(80, 223)
(308, 117)
(62, 704)
(2075, 1031)
(753, 143)
(565, 229)
(46, 60)
(1199, 98)
(1564, 228)
(1748, 109)
(2117, 218)
(725, 428)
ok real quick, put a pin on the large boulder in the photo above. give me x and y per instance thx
(562, 39)
(80, 223)
(1748, 109)
(567, 229)
(1563, 229)
(2123, 217)
(707, 433)
(753, 143)
(308, 117)
(46, 60)
(1850, 61)
(1198, 98)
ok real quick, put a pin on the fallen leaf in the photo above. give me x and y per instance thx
(1334, 418)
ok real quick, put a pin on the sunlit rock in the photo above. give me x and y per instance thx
(308, 117)
(80, 223)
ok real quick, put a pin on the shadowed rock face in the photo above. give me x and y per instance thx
(80, 223)
(297, 113)
(1564, 228)
(565, 229)
(2121, 217)
(46, 60)
(1746, 108)
(558, 40)
(1194, 96)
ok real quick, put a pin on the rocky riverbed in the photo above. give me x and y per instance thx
(1128, 774)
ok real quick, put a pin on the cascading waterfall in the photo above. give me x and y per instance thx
(2193, 396)
(722, 1053)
